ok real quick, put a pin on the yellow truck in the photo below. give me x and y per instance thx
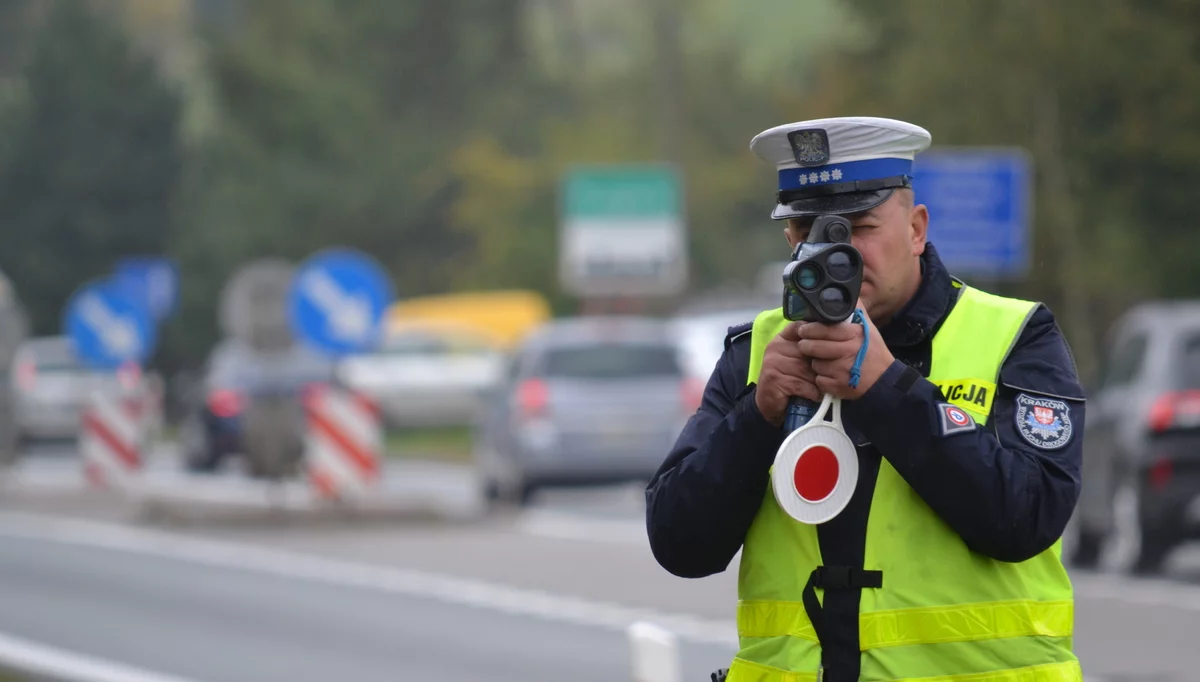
(500, 318)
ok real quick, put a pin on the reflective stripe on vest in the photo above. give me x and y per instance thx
(944, 613)
(748, 671)
(901, 627)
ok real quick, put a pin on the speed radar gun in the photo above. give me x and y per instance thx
(816, 468)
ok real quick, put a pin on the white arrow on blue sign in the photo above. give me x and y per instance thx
(152, 278)
(109, 327)
(337, 301)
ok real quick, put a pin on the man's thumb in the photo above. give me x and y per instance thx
(792, 331)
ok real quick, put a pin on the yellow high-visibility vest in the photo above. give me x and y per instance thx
(943, 613)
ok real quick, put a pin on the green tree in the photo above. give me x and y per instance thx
(93, 162)
(1111, 129)
(16, 18)
(683, 81)
(336, 123)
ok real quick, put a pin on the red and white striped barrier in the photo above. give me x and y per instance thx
(343, 444)
(110, 441)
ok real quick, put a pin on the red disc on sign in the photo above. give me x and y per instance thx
(816, 468)
(816, 473)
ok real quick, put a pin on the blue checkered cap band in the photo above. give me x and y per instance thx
(850, 171)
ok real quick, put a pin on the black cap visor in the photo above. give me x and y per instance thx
(840, 199)
(834, 204)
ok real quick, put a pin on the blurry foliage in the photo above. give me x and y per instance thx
(91, 162)
(15, 17)
(335, 125)
(1107, 105)
(433, 134)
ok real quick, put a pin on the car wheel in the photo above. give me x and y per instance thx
(491, 491)
(1084, 549)
(1155, 540)
(1153, 553)
(1138, 547)
(1122, 549)
(514, 493)
(525, 493)
(12, 449)
(199, 464)
(202, 461)
(198, 455)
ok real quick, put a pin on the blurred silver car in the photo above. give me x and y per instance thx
(586, 401)
(51, 386)
(426, 377)
(1142, 437)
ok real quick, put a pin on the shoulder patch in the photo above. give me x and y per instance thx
(1044, 423)
(954, 419)
(738, 331)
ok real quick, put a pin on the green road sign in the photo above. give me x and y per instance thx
(622, 231)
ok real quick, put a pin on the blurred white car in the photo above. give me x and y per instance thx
(701, 337)
(426, 377)
(51, 386)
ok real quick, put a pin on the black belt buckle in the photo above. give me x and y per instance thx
(833, 578)
(846, 578)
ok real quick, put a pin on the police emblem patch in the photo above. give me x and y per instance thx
(1043, 422)
(810, 146)
(954, 419)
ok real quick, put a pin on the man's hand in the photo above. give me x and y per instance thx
(832, 349)
(785, 373)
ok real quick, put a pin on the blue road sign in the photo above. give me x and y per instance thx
(979, 208)
(109, 327)
(337, 301)
(154, 279)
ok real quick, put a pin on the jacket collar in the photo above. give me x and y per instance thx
(923, 314)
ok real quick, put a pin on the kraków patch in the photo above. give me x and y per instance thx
(1044, 422)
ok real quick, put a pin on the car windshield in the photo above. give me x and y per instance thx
(611, 361)
(236, 366)
(702, 338)
(54, 356)
(418, 343)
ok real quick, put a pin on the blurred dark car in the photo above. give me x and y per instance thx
(244, 395)
(585, 401)
(1142, 436)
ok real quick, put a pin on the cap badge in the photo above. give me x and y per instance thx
(810, 146)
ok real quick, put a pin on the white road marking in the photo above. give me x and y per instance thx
(440, 587)
(39, 659)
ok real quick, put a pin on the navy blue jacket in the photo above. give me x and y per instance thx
(1000, 488)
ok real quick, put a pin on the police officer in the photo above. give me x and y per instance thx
(967, 420)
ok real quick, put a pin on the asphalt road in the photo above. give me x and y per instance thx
(210, 624)
(1126, 629)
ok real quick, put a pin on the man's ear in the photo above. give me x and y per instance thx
(792, 239)
(918, 220)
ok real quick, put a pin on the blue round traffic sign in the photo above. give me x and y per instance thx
(154, 279)
(109, 326)
(337, 301)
